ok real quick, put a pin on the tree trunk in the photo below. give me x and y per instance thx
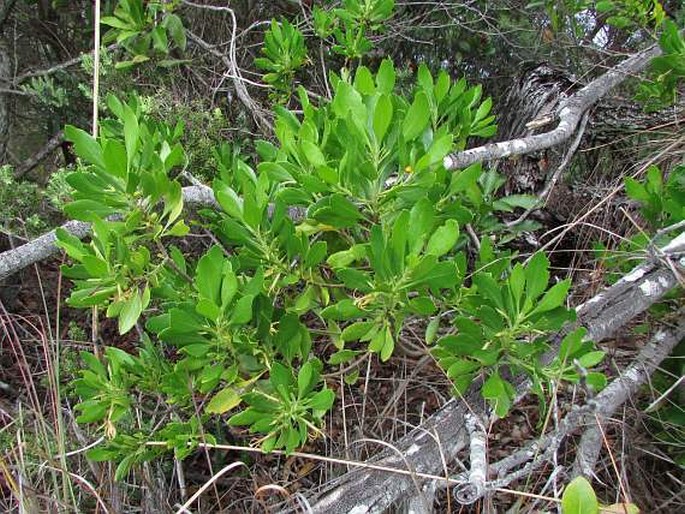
(613, 123)
(5, 78)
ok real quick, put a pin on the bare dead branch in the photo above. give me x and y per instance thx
(569, 113)
(367, 491)
(43, 247)
(474, 488)
(57, 67)
(40, 155)
(231, 63)
(542, 197)
(523, 462)
(624, 387)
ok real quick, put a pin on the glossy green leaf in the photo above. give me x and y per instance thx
(597, 381)
(443, 239)
(357, 330)
(579, 498)
(223, 401)
(432, 330)
(131, 133)
(425, 79)
(86, 147)
(517, 282)
(208, 309)
(388, 345)
(436, 153)
(342, 356)
(174, 26)
(417, 117)
(306, 379)
(313, 154)
(342, 311)
(421, 219)
(363, 81)
(537, 275)
(130, 312)
(346, 257)
(385, 78)
(242, 312)
(382, 117)
(591, 359)
(114, 155)
(553, 298)
(489, 288)
(280, 375)
(228, 199)
(323, 400)
(422, 305)
(247, 417)
(209, 273)
(495, 389)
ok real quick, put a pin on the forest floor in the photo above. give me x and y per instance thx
(40, 340)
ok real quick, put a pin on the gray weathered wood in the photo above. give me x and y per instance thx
(444, 434)
(44, 246)
(569, 115)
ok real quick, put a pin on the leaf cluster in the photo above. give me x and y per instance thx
(345, 228)
(144, 30)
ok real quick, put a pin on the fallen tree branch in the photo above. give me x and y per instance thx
(367, 491)
(621, 389)
(444, 433)
(44, 246)
(540, 451)
(474, 487)
(39, 156)
(569, 113)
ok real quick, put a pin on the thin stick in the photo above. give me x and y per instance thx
(544, 195)
(96, 68)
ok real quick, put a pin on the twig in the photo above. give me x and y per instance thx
(474, 237)
(57, 67)
(542, 199)
(231, 63)
(41, 154)
(564, 229)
